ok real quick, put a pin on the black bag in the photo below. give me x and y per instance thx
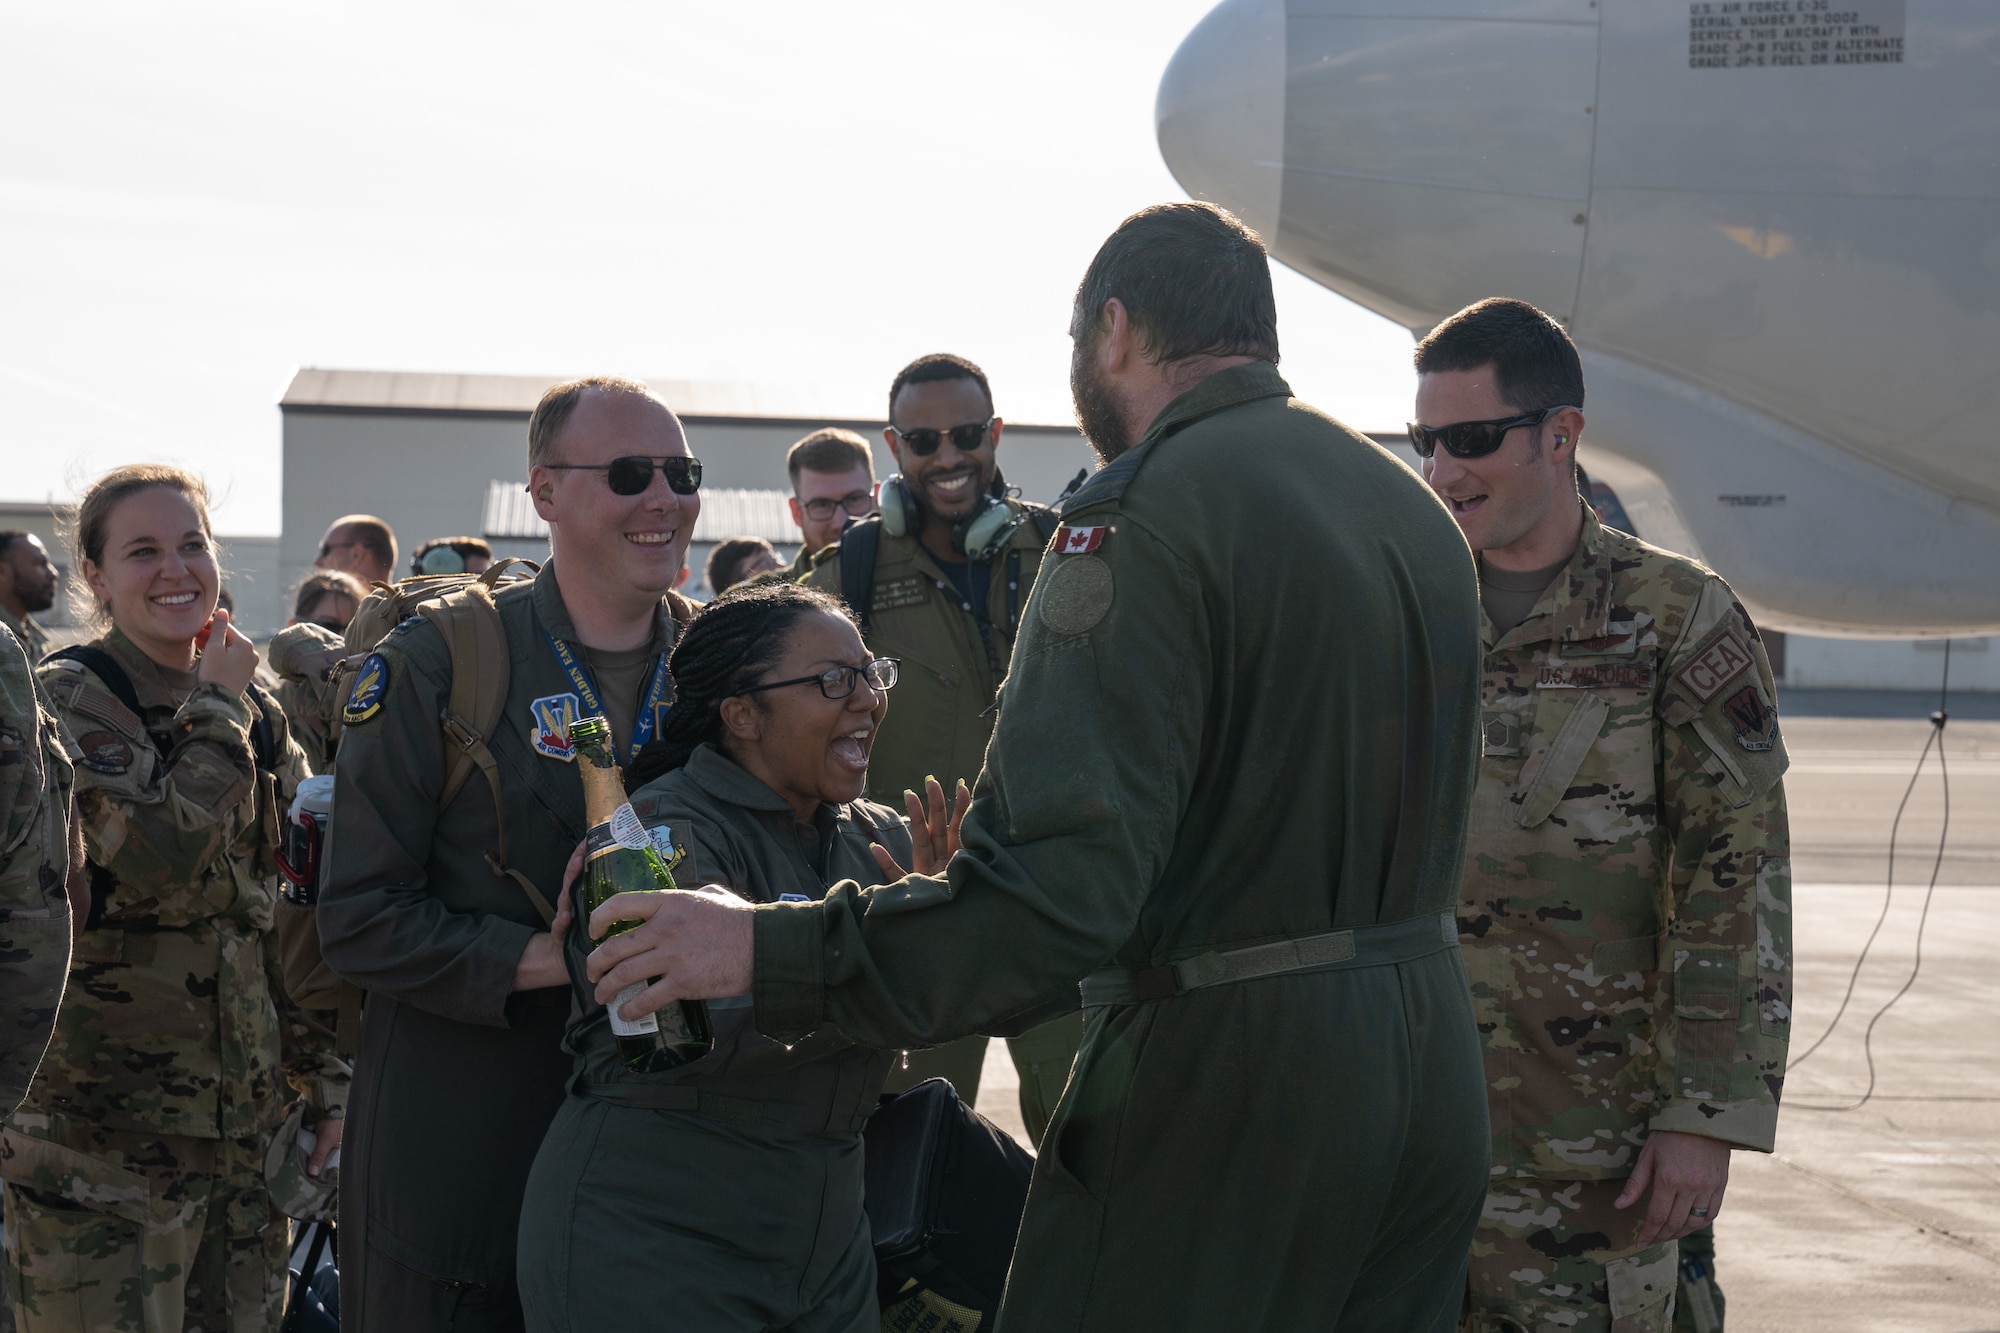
(945, 1194)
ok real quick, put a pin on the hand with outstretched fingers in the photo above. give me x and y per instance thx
(933, 833)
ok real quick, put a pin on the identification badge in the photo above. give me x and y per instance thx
(371, 683)
(1079, 541)
(549, 722)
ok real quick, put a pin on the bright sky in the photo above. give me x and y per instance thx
(196, 199)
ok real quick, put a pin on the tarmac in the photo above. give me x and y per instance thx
(1882, 1217)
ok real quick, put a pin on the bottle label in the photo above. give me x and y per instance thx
(629, 1027)
(627, 830)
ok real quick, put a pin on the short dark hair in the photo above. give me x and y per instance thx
(1534, 362)
(373, 533)
(467, 547)
(1194, 280)
(830, 450)
(725, 561)
(938, 366)
(8, 538)
(321, 582)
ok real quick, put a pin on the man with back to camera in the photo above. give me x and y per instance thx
(833, 484)
(939, 579)
(1626, 915)
(461, 1065)
(1232, 802)
(27, 588)
(361, 545)
(451, 555)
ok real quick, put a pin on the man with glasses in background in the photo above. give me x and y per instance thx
(362, 545)
(938, 579)
(1625, 917)
(833, 485)
(449, 926)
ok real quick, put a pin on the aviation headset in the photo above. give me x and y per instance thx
(983, 534)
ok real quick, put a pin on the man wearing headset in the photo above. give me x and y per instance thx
(1626, 911)
(939, 578)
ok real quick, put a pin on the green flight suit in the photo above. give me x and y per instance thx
(1243, 711)
(726, 1194)
(458, 1074)
(940, 718)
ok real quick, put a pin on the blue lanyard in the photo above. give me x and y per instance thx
(649, 711)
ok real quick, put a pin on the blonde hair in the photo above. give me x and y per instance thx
(117, 486)
(553, 412)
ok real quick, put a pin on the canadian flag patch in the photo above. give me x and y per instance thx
(1079, 541)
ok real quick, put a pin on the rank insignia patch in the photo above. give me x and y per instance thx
(371, 683)
(1756, 725)
(106, 752)
(1079, 541)
(548, 725)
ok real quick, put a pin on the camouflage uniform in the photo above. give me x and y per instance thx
(299, 656)
(135, 1192)
(36, 774)
(32, 636)
(1626, 921)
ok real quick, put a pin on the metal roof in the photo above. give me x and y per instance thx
(510, 513)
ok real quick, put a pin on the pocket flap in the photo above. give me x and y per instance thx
(1642, 1281)
(1542, 784)
(51, 1168)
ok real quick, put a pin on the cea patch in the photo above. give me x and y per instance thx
(549, 719)
(371, 685)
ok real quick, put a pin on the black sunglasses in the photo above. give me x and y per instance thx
(838, 682)
(924, 441)
(632, 474)
(1473, 439)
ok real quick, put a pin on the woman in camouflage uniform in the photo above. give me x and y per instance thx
(135, 1194)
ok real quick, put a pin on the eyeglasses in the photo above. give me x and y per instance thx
(924, 441)
(1474, 439)
(328, 548)
(858, 504)
(838, 682)
(632, 474)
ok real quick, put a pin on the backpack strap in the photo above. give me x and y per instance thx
(1046, 520)
(858, 548)
(481, 662)
(103, 666)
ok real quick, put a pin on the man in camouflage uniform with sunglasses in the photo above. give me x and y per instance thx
(1626, 915)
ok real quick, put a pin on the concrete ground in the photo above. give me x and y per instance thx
(1884, 1218)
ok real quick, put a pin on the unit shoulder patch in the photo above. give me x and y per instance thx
(1753, 720)
(1075, 595)
(371, 686)
(106, 752)
(549, 719)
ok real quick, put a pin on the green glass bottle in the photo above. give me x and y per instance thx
(621, 857)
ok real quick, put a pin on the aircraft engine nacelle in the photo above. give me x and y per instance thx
(1773, 229)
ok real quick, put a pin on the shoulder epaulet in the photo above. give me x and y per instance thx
(1108, 483)
(681, 608)
(824, 554)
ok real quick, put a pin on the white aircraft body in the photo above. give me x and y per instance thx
(1772, 227)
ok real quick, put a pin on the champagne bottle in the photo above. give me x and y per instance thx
(620, 857)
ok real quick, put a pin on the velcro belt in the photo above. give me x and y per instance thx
(1363, 946)
(746, 1111)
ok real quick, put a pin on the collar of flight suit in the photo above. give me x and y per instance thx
(1577, 605)
(1220, 391)
(554, 614)
(728, 781)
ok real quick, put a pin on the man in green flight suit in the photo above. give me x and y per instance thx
(1627, 904)
(833, 484)
(1227, 793)
(461, 1065)
(938, 580)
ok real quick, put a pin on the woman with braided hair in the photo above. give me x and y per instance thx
(725, 1196)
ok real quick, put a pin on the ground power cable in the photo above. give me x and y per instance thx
(1936, 738)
